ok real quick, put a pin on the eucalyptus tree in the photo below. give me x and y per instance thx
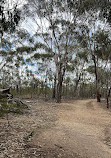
(54, 87)
(98, 44)
(101, 7)
(77, 67)
(106, 84)
(101, 53)
(10, 67)
(97, 12)
(9, 20)
(9, 17)
(6, 57)
(67, 82)
(12, 63)
(57, 25)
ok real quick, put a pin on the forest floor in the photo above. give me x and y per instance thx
(72, 129)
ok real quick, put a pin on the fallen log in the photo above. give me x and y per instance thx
(5, 91)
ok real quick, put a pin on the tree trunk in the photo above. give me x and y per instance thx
(54, 88)
(98, 96)
(66, 89)
(61, 74)
(108, 95)
(17, 88)
(97, 79)
(45, 88)
(59, 91)
(75, 88)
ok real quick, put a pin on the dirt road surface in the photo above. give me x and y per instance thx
(76, 129)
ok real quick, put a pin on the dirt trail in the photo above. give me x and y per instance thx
(76, 129)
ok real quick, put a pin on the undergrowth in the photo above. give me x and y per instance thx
(11, 107)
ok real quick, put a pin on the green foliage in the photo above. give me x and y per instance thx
(13, 107)
(23, 34)
(83, 55)
(65, 40)
(9, 18)
(91, 69)
(6, 44)
(103, 44)
(103, 6)
(3, 53)
(42, 46)
(24, 49)
(70, 67)
(43, 56)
